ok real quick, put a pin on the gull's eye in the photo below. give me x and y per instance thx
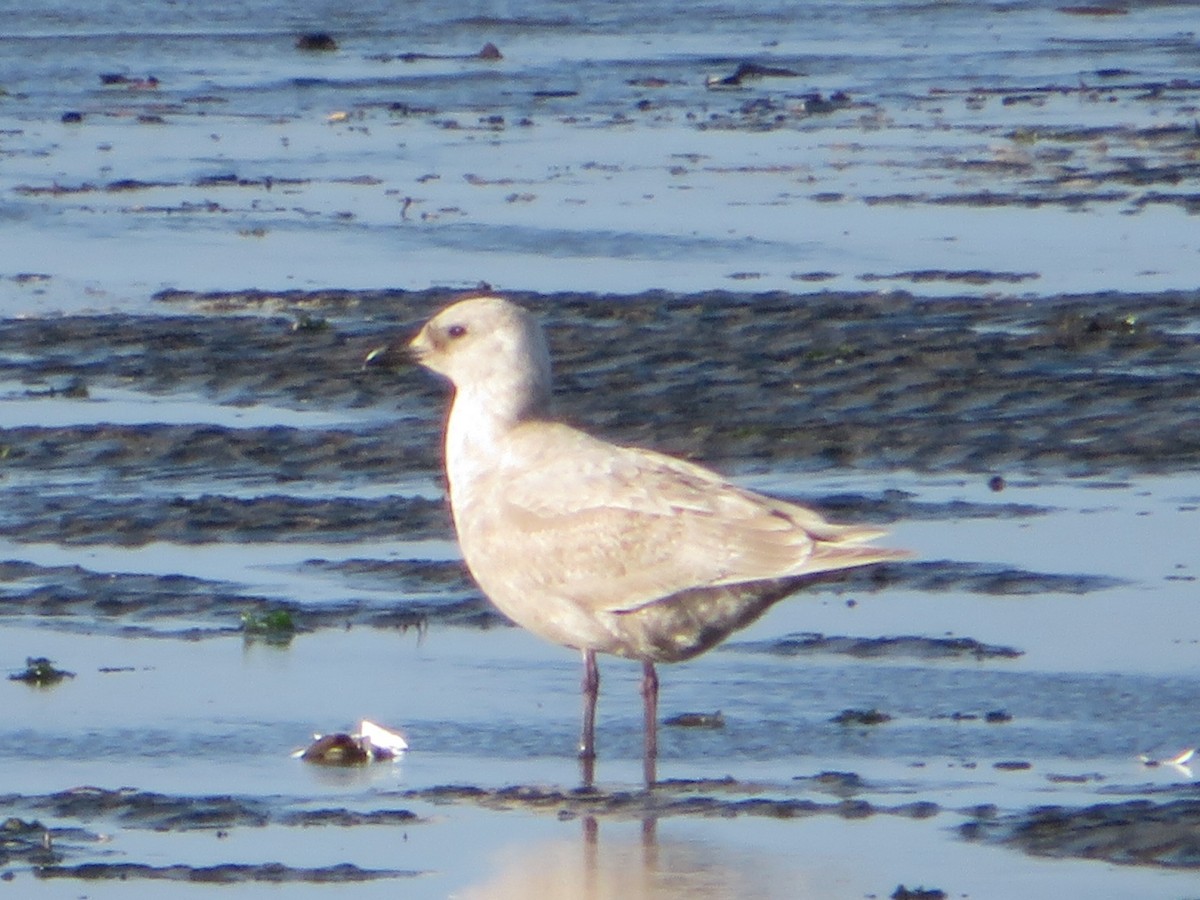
(456, 331)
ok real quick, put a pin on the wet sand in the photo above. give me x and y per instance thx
(169, 479)
(945, 285)
(1030, 149)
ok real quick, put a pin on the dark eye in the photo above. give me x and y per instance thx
(456, 331)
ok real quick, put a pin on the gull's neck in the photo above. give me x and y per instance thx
(481, 417)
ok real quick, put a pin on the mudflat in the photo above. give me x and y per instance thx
(233, 535)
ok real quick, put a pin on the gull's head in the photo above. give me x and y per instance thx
(492, 350)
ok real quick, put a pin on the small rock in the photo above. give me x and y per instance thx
(861, 717)
(336, 750)
(310, 323)
(316, 41)
(40, 672)
(917, 893)
(748, 70)
(1012, 765)
(697, 720)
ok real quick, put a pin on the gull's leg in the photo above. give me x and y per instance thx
(587, 737)
(650, 701)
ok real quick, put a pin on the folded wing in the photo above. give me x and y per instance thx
(614, 529)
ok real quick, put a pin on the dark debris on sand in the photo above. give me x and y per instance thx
(723, 798)
(224, 873)
(418, 593)
(1132, 832)
(171, 812)
(135, 604)
(821, 380)
(914, 646)
(40, 672)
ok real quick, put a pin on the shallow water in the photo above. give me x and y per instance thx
(1025, 149)
(133, 543)
(171, 461)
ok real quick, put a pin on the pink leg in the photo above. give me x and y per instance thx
(650, 701)
(587, 737)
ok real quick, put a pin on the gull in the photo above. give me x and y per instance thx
(600, 547)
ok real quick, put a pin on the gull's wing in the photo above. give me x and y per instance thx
(614, 528)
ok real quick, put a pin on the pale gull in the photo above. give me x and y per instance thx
(599, 547)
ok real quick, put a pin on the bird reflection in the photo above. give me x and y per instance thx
(612, 861)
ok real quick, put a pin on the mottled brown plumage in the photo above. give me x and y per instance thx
(600, 547)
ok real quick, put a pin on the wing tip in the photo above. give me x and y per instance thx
(836, 556)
